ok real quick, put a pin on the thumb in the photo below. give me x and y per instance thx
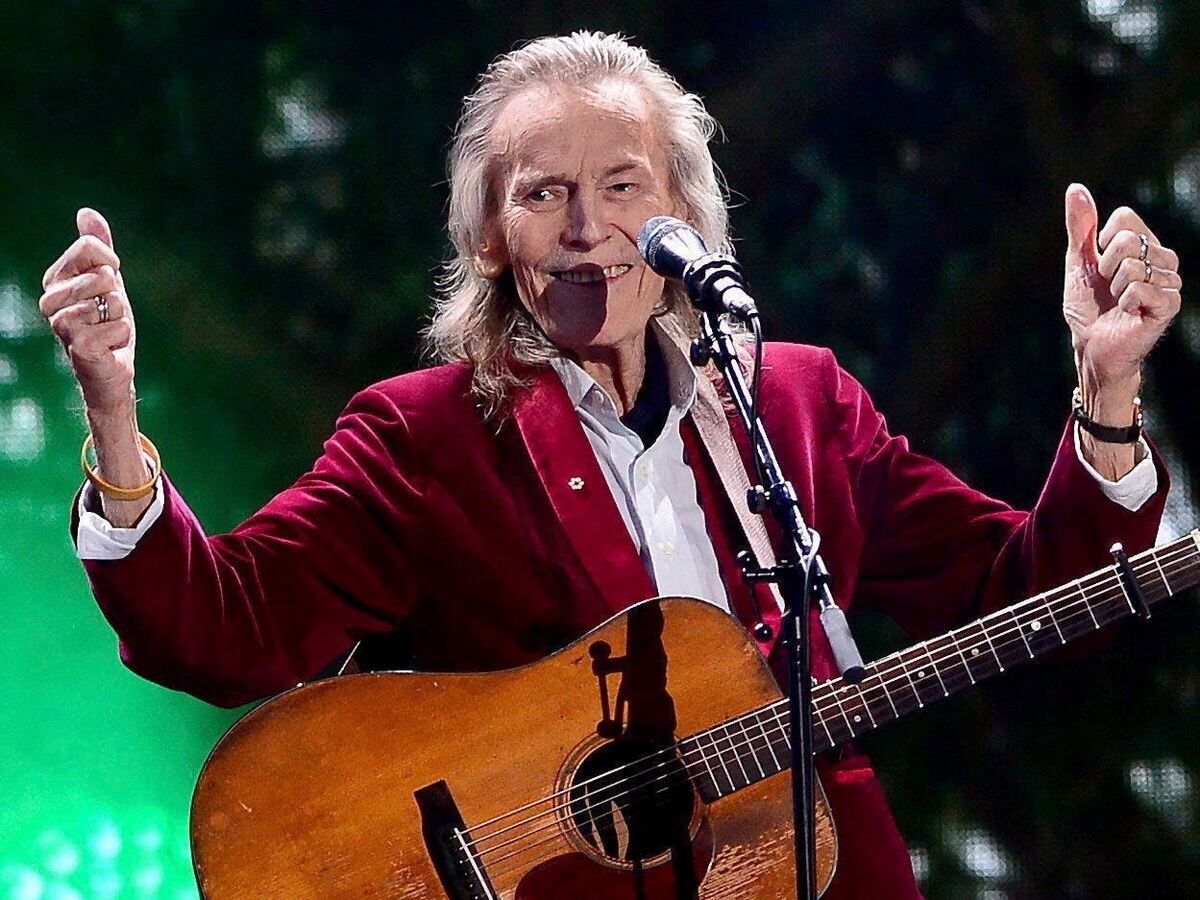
(1082, 222)
(88, 221)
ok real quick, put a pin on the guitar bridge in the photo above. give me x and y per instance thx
(450, 846)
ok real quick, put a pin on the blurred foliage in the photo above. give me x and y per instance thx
(274, 173)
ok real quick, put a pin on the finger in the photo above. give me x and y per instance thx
(1151, 301)
(1127, 244)
(96, 342)
(88, 221)
(70, 322)
(1124, 219)
(1082, 221)
(89, 284)
(1133, 271)
(85, 254)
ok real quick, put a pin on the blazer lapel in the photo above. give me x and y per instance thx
(567, 468)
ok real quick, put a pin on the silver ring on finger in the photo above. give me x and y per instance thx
(1149, 272)
(1145, 241)
(102, 304)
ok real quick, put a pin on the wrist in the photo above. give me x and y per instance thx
(1111, 402)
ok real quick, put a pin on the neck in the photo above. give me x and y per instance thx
(619, 370)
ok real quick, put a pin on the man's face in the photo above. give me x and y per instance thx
(579, 175)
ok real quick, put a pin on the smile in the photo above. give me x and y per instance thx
(592, 274)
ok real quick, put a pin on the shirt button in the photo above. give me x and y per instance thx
(644, 472)
(668, 549)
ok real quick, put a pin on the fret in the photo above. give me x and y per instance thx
(1125, 593)
(974, 639)
(1161, 573)
(1039, 636)
(720, 757)
(919, 676)
(1049, 607)
(1112, 606)
(736, 751)
(833, 689)
(866, 704)
(1087, 605)
(856, 708)
(886, 693)
(949, 662)
(1072, 621)
(988, 637)
(817, 717)
(933, 665)
(709, 789)
(1012, 615)
(774, 765)
(953, 636)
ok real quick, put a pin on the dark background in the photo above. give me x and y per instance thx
(274, 174)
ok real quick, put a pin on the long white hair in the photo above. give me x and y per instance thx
(481, 320)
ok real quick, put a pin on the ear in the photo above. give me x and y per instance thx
(491, 255)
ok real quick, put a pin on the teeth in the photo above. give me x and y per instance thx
(587, 277)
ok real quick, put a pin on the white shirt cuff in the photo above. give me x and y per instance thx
(1136, 487)
(97, 538)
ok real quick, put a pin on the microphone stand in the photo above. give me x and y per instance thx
(802, 578)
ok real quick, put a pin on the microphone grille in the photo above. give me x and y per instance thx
(652, 233)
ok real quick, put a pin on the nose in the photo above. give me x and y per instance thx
(584, 227)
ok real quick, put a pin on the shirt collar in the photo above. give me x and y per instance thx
(586, 393)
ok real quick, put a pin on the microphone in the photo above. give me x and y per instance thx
(713, 281)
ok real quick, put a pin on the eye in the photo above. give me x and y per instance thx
(545, 196)
(624, 187)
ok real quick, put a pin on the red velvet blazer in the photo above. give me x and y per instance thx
(466, 541)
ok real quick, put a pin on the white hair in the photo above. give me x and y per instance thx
(481, 320)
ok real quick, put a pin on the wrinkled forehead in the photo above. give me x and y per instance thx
(547, 127)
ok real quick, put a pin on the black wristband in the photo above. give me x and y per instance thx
(1107, 433)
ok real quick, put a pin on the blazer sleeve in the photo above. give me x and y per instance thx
(236, 617)
(937, 552)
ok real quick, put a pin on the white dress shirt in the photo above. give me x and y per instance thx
(653, 487)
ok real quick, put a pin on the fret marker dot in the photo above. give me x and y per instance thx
(1035, 625)
(921, 674)
(858, 718)
(975, 652)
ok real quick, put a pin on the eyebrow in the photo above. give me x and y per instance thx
(534, 179)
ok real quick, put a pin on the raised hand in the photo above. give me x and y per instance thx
(99, 338)
(100, 352)
(1121, 291)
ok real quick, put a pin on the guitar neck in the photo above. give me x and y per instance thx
(744, 750)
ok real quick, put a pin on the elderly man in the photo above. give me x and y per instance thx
(550, 474)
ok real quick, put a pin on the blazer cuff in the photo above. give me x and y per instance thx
(97, 538)
(1136, 487)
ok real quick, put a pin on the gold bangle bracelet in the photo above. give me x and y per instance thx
(120, 493)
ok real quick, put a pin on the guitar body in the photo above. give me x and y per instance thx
(345, 787)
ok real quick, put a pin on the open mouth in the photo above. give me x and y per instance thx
(591, 273)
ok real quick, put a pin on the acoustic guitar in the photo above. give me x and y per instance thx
(648, 759)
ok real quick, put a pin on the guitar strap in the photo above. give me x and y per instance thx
(712, 423)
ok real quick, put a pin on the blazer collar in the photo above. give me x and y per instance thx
(571, 477)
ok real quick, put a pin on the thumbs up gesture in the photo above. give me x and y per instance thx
(1120, 293)
(86, 306)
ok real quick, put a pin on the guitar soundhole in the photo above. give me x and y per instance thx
(631, 800)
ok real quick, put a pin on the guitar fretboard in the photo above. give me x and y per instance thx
(749, 748)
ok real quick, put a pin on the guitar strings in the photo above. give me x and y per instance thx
(822, 710)
(778, 725)
(778, 716)
(886, 665)
(821, 707)
(641, 800)
(881, 666)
